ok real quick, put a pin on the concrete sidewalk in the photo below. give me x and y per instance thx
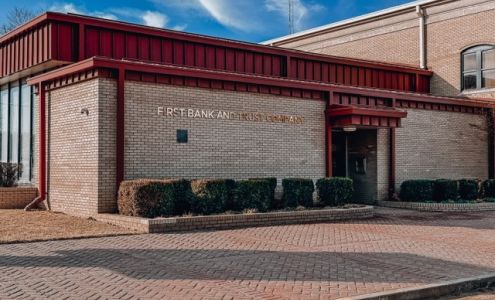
(398, 249)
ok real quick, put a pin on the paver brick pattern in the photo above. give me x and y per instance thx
(313, 261)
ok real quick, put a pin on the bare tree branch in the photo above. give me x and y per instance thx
(16, 17)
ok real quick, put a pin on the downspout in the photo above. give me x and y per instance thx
(422, 45)
(42, 149)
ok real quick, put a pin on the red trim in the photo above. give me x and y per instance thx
(337, 111)
(329, 158)
(98, 62)
(391, 165)
(120, 127)
(140, 29)
(328, 140)
(42, 140)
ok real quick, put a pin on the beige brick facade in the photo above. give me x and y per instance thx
(435, 144)
(451, 27)
(221, 148)
(81, 147)
(81, 162)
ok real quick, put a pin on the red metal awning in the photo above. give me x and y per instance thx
(340, 116)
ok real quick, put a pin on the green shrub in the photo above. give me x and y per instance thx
(9, 173)
(468, 189)
(182, 197)
(146, 198)
(297, 192)
(488, 188)
(334, 191)
(416, 190)
(444, 190)
(254, 194)
(211, 195)
(231, 203)
(272, 181)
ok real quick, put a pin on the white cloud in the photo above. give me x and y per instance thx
(181, 27)
(155, 19)
(231, 13)
(71, 8)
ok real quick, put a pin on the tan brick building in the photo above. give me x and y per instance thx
(118, 101)
(431, 34)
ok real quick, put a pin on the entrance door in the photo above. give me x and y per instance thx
(354, 156)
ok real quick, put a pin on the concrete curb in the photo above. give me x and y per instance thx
(431, 291)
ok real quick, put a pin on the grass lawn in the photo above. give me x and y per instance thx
(21, 226)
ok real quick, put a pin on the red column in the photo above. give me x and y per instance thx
(82, 41)
(42, 141)
(328, 138)
(120, 127)
(329, 159)
(391, 165)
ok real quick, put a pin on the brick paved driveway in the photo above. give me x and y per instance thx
(318, 261)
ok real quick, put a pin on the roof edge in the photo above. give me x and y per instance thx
(109, 63)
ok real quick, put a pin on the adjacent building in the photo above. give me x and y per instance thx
(87, 103)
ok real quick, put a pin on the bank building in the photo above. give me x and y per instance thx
(403, 93)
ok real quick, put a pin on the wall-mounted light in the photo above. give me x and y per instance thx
(349, 129)
(85, 111)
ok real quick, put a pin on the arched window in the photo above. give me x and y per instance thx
(478, 68)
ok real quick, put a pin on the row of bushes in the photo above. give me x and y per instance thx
(172, 197)
(446, 189)
(9, 173)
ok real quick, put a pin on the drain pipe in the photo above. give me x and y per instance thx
(42, 149)
(422, 45)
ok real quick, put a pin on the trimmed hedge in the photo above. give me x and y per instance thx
(272, 181)
(9, 173)
(211, 195)
(444, 190)
(297, 191)
(468, 189)
(182, 197)
(416, 190)
(334, 191)
(255, 194)
(488, 189)
(146, 198)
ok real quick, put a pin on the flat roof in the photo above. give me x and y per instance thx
(350, 21)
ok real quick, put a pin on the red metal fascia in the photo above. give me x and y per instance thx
(99, 62)
(26, 27)
(351, 110)
(140, 29)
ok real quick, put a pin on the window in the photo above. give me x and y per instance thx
(4, 123)
(25, 133)
(16, 113)
(478, 68)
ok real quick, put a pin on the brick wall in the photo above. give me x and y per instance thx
(383, 158)
(81, 148)
(451, 28)
(16, 197)
(220, 148)
(434, 144)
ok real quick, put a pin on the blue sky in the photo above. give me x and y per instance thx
(248, 20)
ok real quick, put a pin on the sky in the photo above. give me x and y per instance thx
(247, 20)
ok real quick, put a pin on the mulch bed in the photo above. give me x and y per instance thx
(21, 226)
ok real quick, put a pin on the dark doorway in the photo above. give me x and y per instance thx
(355, 156)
